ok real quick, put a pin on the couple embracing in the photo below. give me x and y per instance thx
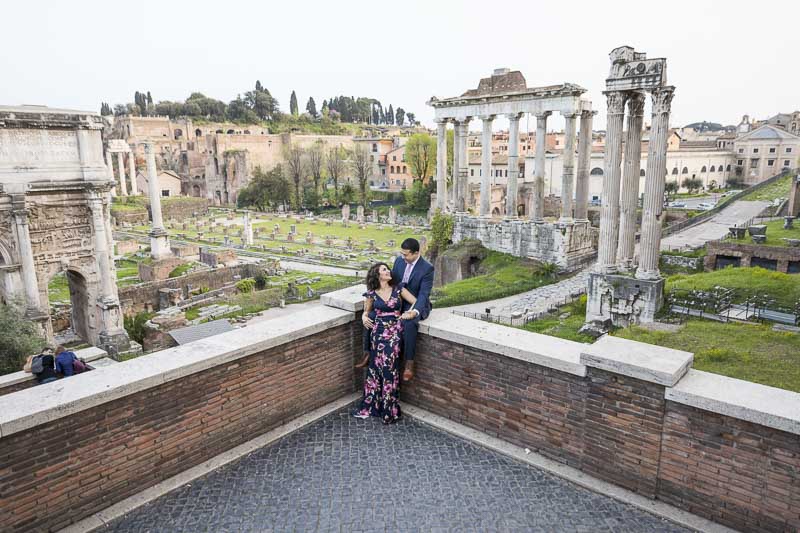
(395, 301)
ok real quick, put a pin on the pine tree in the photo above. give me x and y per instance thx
(311, 107)
(400, 116)
(293, 104)
(259, 87)
(390, 115)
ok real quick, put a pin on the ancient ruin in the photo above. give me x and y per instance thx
(620, 291)
(568, 242)
(54, 218)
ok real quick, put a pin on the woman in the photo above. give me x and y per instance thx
(383, 377)
(47, 373)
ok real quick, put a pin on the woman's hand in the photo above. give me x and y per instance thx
(366, 321)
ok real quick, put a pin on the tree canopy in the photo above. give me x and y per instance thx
(421, 156)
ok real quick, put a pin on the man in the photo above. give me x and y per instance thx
(417, 274)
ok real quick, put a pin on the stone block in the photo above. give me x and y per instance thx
(757, 229)
(639, 360)
(158, 270)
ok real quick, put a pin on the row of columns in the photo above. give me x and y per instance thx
(121, 182)
(621, 183)
(458, 197)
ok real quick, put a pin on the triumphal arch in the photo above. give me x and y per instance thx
(567, 242)
(54, 218)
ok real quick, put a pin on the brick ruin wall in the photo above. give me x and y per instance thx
(619, 429)
(180, 210)
(76, 465)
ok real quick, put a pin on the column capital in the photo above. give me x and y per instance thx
(636, 101)
(440, 121)
(616, 102)
(662, 99)
(542, 114)
(148, 147)
(514, 116)
(588, 113)
(487, 118)
(569, 114)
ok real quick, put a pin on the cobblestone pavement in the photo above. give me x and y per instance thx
(350, 475)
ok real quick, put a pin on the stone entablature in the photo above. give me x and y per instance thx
(567, 245)
(720, 254)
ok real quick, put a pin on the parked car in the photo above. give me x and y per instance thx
(705, 206)
(677, 204)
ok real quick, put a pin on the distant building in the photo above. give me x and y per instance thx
(764, 152)
(168, 182)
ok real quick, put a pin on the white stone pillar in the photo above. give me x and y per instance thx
(649, 249)
(584, 164)
(629, 194)
(132, 172)
(462, 202)
(110, 165)
(609, 209)
(452, 191)
(537, 201)
(32, 301)
(101, 247)
(248, 229)
(121, 165)
(441, 164)
(568, 171)
(512, 184)
(486, 165)
(159, 242)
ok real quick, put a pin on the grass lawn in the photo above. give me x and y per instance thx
(565, 328)
(58, 288)
(503, 276)
(779, 189)
(784, 288)
(751, 352)
(127, 268)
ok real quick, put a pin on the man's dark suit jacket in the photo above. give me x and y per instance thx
(419, 284)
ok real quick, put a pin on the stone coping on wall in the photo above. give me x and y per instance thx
(753, 402)
(640, 360)
(27, 408)
(89, 354)
(348, 299)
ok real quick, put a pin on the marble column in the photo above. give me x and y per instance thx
(29, 278)
(248, 229)
(629, 189)
(568, 171)
(609, 208)
(132, 172)
(584, 164)
(486, 165)
(452, 191)
(121, 166)
(649, 249)
(159, 241)
(110, 165)
(441, 164)
(512, 184)
(537, 202)
(101, 247)
(463, 173)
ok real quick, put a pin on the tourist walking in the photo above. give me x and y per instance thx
(42, 366)
(385, 299)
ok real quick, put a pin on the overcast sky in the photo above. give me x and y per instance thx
(726, 59)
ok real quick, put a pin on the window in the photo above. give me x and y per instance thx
(704, 169)
(372, 159)
(739, 162)
(164, 192)
(404, 169)
(713, 168)
(596, 171)
(772, 150)
(230, 132)
(719, 169)
(786, 162)
(754, 163)
(391, 169)
(755, 150)
(685, 170)
(788, 150)
(641, 172)
(472, 172)
(383, 171)
(675, 171)
(741, 150)
(729, 168)
(506, 173)
(394, 158)
(374, 147)
(770, 162)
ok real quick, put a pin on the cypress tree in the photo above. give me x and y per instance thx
(293, 104)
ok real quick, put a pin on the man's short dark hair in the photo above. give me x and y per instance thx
(412, 245)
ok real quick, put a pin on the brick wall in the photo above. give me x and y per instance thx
(619, 429)
(62, 471)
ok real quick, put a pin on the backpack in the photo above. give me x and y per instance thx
(79, 366)
(37, 364)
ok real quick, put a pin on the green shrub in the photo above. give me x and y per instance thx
(19, 338)
(180, 270)
(134, 325)
(246, 285)
(442, 226)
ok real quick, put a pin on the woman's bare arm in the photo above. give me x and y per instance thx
(365, 316)
(407, 296)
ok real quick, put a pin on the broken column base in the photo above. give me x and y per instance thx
(117, 344)
(617, 300)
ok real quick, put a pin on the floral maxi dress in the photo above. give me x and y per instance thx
(381, 386)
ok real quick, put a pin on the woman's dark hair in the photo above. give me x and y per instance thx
(412, 245)
(374, 278)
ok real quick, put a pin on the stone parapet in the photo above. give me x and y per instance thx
(568, 244)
